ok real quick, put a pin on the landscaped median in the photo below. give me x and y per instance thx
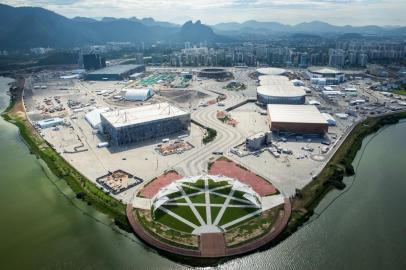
(84, 188)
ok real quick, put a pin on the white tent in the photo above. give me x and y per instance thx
(138, 94)
(93, 117)
(162, 197)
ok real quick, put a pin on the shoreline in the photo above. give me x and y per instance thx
(303, 204)
(84, 189)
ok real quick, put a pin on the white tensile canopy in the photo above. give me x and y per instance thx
(162, 197)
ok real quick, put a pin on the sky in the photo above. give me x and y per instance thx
(338, 12)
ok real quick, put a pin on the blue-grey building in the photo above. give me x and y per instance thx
(144, 123)
(114, 73)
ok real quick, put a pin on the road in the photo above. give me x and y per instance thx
(227, 136)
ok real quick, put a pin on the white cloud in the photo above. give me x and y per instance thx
(354, 12)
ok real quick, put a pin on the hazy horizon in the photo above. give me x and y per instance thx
(337, 12)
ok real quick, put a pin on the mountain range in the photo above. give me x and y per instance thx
(314, 27)
(28, 27)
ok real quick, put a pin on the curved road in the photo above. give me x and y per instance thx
(227, 136)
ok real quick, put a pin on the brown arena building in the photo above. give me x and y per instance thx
(302, 119)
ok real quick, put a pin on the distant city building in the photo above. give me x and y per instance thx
(336, 58)
(362, 59)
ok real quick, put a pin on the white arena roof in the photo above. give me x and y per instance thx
(143, 114)
(271, 71)
(295, 114)
(278, 86)
(324, 70)
(280, 91)
(274, 80)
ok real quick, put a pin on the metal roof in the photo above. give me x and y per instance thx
(324, 70)
(295, 114)
(278, 86)
(271, 71)
(143, 114)
(118, 69)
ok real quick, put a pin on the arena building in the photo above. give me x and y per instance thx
(144, 123)
(114, 73)
(271, 71)
(276, 89)
(325, 76)
(301, 119)
(214, 73)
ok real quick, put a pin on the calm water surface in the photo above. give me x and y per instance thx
(43, 227)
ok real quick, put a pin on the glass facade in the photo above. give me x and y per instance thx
(145, 131)
(280, 99)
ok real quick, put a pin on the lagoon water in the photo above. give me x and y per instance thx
(44, 227)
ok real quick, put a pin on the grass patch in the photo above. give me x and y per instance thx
(214, 184)
(215, 199)
(401, 90)
(183, 211)
(210, 135)
(181, 200)
(214, 212)
(233, 213)
(252, 228)
(171, 222)
(200, 198)
(202, 212)
(174, 195)
(224, 191)
(164, 233)
(188, 189)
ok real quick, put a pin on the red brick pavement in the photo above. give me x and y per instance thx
(231, 169)
(153, 187)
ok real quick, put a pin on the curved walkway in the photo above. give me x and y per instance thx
(279, 226)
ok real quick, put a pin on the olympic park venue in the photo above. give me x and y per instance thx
(210, 216)
(214, 73)
(300, 119)
(271, 71)
(277, 89)
(114, 73)
(325, 76)
(143, 123)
